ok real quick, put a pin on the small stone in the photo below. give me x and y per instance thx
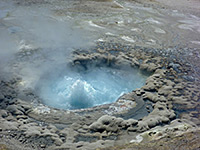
(82, 131)
(147, 107)
(21, 117)
(174, 66)
(57, 141)
(42, 146)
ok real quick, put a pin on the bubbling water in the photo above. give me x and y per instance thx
(77, 90)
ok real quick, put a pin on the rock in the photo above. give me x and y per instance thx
(142, 126)
(174, 66)
(1, 97)
(110, 124)
(8, 125)
(3, 113)
(14, 109)
(165, 90)
(149, 96)
(179, 87)
(162, 99)
(33, 131)
(130, 122)
(131, 129)
(150, 67)
(127, 96)
(160, 114)
(42, 146)
(116, 5)
(23, 104)
(135, 62)
(101, 123)
(52, 128)
(57, 141)
(189, 78)
(166, 120)
(154, 97)
(150, 86)
(160, 72)
(169, 82)
(82, 131)
(139, 92)
(47, 133)
(152, 122)
(21, 117)
(11, 118)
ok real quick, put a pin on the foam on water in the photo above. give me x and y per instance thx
(75, 90)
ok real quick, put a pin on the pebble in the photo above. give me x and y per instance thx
(42, 146)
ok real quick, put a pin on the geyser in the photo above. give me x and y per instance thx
(96, 86)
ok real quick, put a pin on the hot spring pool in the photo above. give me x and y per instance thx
(77, 90)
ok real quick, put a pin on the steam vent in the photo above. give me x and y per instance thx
(99, 75)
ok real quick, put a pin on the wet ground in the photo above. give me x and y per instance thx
(40, 39)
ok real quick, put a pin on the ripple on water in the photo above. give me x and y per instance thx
(75, 90)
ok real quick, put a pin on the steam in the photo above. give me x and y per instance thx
(35, 40)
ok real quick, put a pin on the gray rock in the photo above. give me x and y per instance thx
(165, 90)
(57, 141)
(42, 146)
(112, 124)
(21, 117)
(150, 67)
(107, 123)
(52, 128)
(130, 122)
(3, 113)
(31, 130)
(174, 66)
(149, 86)
(9, 125)
(142, 126)
(14, 109)
(152, 122)
(160, 114)
(1, 97)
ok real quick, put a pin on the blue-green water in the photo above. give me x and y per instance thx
(75, 90)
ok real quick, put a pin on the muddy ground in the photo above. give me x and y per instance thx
(155, 37)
